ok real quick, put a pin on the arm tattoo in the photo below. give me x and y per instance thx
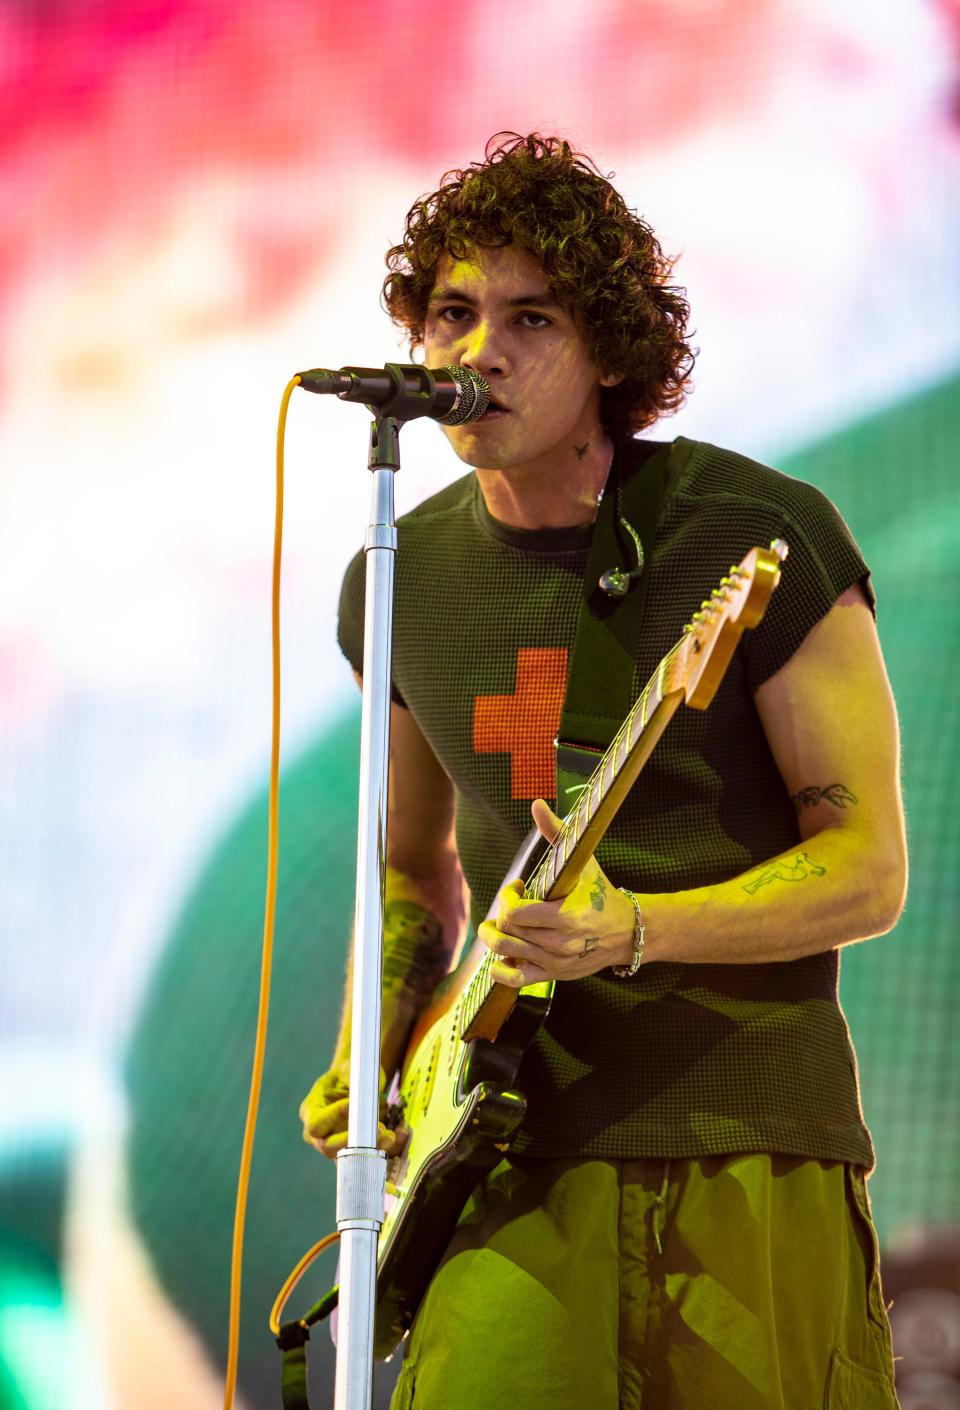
(799, 870)
(589, 945)
(836, 793)
(413, 957)
(597, 892)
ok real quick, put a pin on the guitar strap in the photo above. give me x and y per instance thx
(292, 1341)
(600, 678)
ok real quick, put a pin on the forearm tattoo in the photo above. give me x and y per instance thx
(597, 893)
(799, 870)
(836, 793)
(413, 957)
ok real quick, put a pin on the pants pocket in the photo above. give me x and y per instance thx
(860, 1206)
(853, 1387)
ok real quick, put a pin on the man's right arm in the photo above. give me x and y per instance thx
(424, 909)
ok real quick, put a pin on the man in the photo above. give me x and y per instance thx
(682, 1221)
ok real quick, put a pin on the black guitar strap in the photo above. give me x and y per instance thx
(600, 677)
(292, 1341)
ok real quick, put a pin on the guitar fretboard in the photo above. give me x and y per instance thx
(594, 791)
(602, 779)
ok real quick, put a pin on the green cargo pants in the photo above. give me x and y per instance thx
(718, 1283)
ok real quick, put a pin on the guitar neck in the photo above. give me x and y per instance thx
(691, 671)
(607, 787)
(486, 1003)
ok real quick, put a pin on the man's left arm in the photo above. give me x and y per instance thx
(829, 718)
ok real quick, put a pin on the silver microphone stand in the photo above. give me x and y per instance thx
(408, 392)
(361, 1167)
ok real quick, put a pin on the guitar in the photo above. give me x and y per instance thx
(455, 1091)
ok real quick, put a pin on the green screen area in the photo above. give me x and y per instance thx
(894, 478)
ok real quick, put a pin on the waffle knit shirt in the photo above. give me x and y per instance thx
(682, 1059)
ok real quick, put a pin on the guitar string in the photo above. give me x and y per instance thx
(480, 987)
(624, 733)
(538, 877)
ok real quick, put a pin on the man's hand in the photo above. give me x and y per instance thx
(569, 939)
(324, 1113)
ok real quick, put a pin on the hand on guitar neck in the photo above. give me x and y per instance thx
(587, 930)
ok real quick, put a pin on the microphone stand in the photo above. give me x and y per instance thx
(361, 1167)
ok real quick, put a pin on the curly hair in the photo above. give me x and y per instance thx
(603, 262)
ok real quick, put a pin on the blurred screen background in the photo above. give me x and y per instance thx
(196, 201)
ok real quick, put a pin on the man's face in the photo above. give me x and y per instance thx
(493, 313)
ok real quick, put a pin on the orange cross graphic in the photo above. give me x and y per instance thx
(525, 724)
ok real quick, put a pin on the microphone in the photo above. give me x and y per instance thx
(450, 395)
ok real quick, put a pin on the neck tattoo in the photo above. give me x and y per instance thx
(581, 450)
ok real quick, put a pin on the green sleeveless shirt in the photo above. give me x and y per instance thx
(680, 1060)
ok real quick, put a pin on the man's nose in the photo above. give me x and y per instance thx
(482, 349)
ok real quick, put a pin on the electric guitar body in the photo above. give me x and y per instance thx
(456, 1092)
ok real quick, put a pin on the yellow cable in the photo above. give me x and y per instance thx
(260, 1043)
(294, 1278)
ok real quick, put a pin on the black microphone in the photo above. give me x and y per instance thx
(450, 395)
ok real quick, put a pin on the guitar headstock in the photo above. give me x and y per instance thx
(737, 603)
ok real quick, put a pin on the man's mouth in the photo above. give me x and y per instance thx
(494, 409)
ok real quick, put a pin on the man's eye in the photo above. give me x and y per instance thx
(453, 308)
(544, 321)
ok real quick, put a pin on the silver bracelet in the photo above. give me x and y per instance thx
(626, 971)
